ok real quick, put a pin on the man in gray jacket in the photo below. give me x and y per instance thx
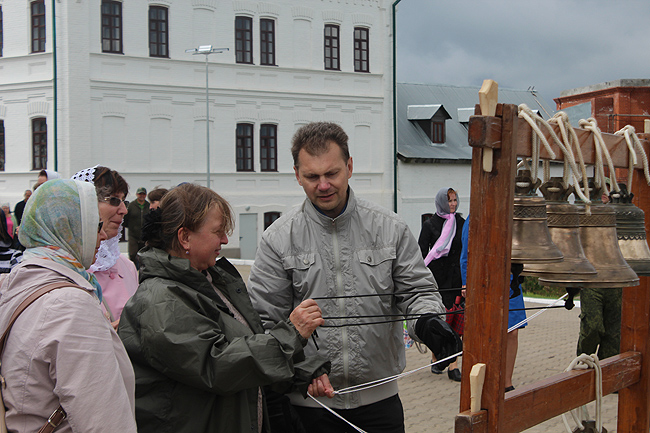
(363, 266)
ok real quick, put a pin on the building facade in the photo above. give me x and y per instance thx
(128, 96)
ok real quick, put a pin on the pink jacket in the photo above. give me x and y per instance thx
(118, 283)
(62, 350)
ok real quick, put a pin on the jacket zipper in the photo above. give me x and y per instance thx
(340, 289)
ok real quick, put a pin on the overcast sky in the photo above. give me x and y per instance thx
(553, 45)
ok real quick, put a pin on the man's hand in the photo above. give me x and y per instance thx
(306, 317)
(439, 338)
(321, 387)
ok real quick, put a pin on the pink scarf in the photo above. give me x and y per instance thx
(443, 244)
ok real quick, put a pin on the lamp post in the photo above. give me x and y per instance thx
(206, 50)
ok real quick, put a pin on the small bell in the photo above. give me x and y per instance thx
(531, 240)
(630, 230)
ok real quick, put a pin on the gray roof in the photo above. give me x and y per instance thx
(412, 143)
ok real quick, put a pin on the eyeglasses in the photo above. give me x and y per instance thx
(99, 226)
(115, 201)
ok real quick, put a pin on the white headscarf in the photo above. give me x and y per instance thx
(109, 250)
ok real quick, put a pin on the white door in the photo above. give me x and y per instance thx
(248, 235)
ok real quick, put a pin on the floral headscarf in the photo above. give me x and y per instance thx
(443, 244)
(60, 224)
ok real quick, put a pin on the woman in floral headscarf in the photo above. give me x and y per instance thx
(62, 350)
(440, 243)
(114, 272)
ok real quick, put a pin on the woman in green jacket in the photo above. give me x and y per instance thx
(197, 346)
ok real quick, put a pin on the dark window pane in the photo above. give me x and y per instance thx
(269, 217)
(39, 143)
(331, 47)
(268, 147)
(244, 147)
(267, 42)
(243, 40)
(158, 34)
(361, 43)
(2, 145)
(111, 26)
(38, 26)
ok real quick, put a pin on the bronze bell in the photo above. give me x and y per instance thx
(531, 240)
(564, 227)
(630, 230)
(600, 244)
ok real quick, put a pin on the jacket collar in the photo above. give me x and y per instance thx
(326, 221)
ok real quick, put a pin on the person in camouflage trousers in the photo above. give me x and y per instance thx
(600, 322)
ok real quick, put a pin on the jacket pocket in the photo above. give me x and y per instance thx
(299, 267)
(376, 257)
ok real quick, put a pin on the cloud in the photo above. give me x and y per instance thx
(553, 45)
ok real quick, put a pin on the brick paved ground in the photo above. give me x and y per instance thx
(546, 347)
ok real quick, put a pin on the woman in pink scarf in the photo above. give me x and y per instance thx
(440, 243)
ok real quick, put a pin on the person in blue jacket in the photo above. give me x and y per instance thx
(516, 313)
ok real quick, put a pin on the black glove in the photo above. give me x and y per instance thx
(439, 338)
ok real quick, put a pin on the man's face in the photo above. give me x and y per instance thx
(325, 179)
(141, 196)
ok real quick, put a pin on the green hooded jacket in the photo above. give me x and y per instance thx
(197, 368)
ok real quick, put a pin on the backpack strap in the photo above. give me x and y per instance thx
(59, 414)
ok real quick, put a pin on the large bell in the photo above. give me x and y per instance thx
(531, 240)
(600, 244)
(564, 227)
(630, 230)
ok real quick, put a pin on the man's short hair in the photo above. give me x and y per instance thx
(315, 138)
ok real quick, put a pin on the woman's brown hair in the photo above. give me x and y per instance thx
(185, 206)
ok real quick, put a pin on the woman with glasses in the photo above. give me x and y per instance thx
(61, 351)
(114, 272)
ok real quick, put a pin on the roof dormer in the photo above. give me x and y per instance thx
(431, 119)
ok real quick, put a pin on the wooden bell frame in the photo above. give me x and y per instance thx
(506, 136)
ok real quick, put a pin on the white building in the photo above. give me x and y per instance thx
(129, 97)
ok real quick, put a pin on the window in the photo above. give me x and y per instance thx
(269, 218)
(111, 27)
(361, 50)
(269, 148)
(2, 145)
(243, 40)
(332, 47)
(1, 30)
(437, 131)
(267, 42)
(244, 147)
(38, 26)
(39, 143)
(158, 32)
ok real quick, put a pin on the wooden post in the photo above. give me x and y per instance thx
(488, 276)
(634, 401)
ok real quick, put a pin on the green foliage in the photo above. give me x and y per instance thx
(531, 287)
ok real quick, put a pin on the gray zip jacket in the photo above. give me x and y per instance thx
(367, 250)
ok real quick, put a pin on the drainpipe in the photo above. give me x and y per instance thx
(394, 10)
(54, 81)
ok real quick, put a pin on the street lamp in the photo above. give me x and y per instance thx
(206, 50)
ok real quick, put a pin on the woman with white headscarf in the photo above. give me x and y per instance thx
(441, 245)
(115, 273)
(61, 350)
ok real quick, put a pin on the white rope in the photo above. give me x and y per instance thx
(582, 362)
(563, 123)
(337, 415)
(379, 382)
(601, 148)
(633, 143)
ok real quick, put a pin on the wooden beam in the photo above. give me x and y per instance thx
(468, 422)
(532, 404)
(485, 131)
(634, 402)
(488, 276)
